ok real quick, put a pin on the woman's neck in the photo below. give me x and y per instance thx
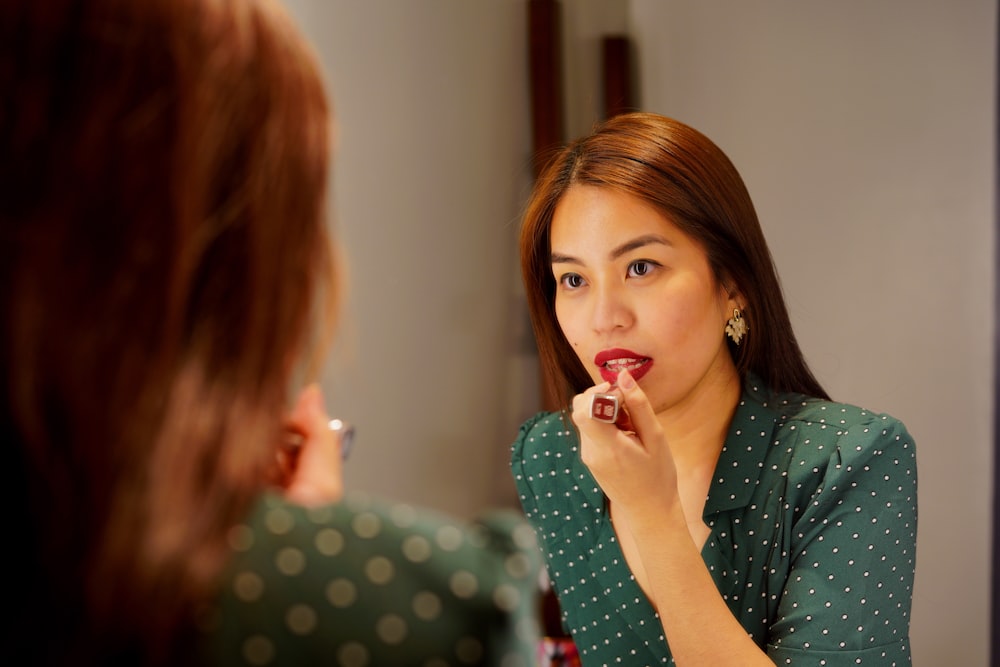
(696, 428)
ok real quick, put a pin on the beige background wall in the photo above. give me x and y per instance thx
(865, 132)
(431, 169)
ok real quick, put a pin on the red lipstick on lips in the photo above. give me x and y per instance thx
(611, 362)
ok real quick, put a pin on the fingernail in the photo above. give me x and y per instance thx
(625, 379)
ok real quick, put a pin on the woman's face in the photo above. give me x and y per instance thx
(633, 291)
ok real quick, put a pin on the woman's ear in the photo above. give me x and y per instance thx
(733, 293)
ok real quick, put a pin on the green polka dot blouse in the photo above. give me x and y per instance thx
(813, 517)
(367, 582)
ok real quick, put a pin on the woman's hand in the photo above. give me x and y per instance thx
(630, 460)
(312, 465)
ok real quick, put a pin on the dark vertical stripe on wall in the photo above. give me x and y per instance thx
(995, 605)
(617, 66)
(546, 81)
(545, 69)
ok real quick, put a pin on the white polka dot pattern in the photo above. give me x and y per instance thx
(813, 515)
(368, 582)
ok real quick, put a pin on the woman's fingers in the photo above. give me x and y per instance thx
(598, 413)
(641, 416)
(629, 458)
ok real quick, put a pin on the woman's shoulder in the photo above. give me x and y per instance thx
(369, 522)
(353, 571)
(544, 429)
(546, 424)
(838, 433)
(544, 458)
(842, 419)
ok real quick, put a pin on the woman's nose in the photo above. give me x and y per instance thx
(611, 310)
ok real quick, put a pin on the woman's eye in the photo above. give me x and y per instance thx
(571, 280)
(639, 268)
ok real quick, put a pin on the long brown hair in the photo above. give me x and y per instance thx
(681, 173)
(163, 260)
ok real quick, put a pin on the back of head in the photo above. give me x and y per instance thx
(685, 176)
(163, 168)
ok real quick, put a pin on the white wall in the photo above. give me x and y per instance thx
(865, 133)
(431, 170)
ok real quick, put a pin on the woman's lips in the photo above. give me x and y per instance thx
(613, 361)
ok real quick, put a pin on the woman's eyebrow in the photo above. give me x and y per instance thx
(638, 242)
(559, 258)
(628, 246)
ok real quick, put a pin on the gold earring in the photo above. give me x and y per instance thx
(737, 326)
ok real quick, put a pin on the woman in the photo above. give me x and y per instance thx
(165, 276)
(703, 501)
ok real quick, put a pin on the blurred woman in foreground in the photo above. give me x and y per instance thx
(165, 275)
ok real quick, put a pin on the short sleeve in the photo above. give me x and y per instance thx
(518, 466)
(848, 594)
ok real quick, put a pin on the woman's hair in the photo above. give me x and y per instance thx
(685, 176)
(164, 270)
